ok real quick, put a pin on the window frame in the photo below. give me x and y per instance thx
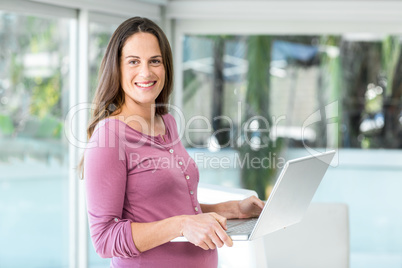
(81, 14)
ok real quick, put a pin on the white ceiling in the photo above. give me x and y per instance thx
(369, 15)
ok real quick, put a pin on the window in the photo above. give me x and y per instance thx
(99, 36)
(34, 153)
(291, 92)
(278, 95)
(305, 73)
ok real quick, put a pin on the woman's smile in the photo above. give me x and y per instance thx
(145, 85)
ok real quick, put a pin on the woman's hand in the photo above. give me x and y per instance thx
(206, 230)
(250, 207)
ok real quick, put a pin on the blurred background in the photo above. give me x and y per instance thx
(265, 80)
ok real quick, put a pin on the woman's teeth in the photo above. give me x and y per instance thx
(145, 85)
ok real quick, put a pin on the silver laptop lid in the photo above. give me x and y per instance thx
(292, 193)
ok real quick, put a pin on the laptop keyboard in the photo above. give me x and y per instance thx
(242, 227)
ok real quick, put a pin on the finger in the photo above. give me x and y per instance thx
(215, 238)
(255, 200)
(226, 239)
(257, 210)
(260, 203)
(210, 244)
(203, 246)
(220, 237)
(222, 220)
(223, 238)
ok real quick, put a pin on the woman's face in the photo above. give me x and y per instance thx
(141, 67)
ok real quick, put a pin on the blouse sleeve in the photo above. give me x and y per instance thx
(105, 175)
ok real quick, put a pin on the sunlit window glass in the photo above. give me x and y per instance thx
(34, 57)
(291, 92)
(99, 36)
(253, 102)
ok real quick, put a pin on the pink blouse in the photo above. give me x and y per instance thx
(133, 177)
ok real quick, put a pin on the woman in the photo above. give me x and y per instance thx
(141, 183)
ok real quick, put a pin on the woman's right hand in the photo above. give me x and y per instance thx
(206, 230)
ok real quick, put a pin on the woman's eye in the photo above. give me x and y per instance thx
(155, 62)
(134, 62)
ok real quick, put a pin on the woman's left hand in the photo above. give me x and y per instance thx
(250, 207)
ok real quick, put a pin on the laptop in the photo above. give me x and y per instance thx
(288, 201)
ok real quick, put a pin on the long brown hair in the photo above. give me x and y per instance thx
(109, 95)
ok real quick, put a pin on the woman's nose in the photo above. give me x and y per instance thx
(145, 71)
